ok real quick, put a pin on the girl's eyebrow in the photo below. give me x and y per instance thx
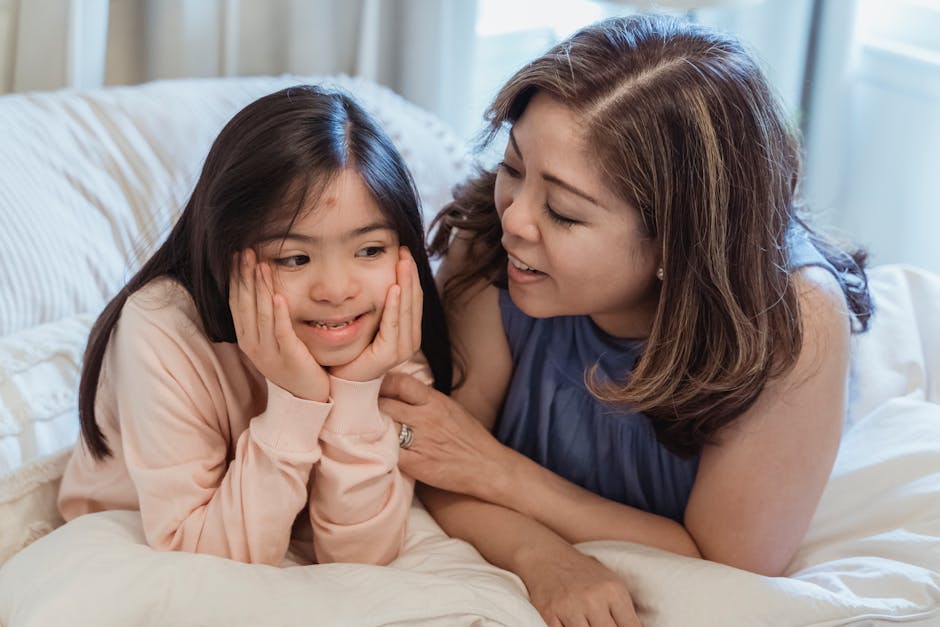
(315, 239)
(551, 178)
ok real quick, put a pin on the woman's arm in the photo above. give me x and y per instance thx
(758, 487)
(454, 452)
(566, 586)
(782, 450)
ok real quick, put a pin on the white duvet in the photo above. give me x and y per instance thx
(872, 554)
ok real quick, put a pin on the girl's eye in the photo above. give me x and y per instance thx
(294, 261)
(371, 251)
(560, 219)
(509, 170)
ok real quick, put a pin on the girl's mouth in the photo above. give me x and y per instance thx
(336, 331)
(332, 325)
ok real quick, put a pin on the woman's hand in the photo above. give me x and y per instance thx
(568, 587)
(450, 450)
(266, 335)
(399, 336)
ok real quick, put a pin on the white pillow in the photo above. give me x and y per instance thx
(28, 499)
(39, 373)
(899, 356)
(98, 570)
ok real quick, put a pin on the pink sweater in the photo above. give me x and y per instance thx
(219, 460)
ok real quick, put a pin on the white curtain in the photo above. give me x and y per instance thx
(52, 43)
(419, 48)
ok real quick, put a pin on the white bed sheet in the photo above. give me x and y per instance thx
(872, 554)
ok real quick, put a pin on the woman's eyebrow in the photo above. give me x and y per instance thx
(551, 178)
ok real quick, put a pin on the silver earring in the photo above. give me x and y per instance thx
(660, 274)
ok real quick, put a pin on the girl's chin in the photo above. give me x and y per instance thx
(333, 357)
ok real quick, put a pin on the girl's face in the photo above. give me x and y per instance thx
(574, 247)
(334, 268)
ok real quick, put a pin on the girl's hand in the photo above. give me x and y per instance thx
(451, 450)
(266, 335)
(568, 587)
(399, 335)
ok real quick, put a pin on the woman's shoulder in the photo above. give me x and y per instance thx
(821, 297)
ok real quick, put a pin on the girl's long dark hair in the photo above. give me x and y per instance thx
(297, 138)
(682, 125)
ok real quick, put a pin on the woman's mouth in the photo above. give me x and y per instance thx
(525, 268)
(523, 273)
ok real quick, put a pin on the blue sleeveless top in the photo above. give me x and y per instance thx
(550, 416)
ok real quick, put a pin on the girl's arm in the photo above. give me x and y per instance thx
(360, 499)
(198, 491)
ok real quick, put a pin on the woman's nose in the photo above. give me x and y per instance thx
(518, 219)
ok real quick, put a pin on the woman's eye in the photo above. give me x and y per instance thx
(560, 219)
(371, 251)
(294, 261)
(508, 169)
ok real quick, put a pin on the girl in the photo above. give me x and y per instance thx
(231, 386)
(655, 338)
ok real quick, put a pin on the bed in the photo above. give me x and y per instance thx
(90, 180)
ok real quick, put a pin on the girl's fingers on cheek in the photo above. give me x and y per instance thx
(233, 280)
(406, 310)
(282, 324)
(265, 308)
(248, 275)
(268, 274)
(388, 328)
(247, 306)
(418, 307)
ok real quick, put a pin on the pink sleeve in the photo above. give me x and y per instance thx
(360, 499)
(174, 428)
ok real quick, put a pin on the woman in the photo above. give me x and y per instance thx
(656, 339)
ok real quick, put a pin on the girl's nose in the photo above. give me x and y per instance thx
(334, 285)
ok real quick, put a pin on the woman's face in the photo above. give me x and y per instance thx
(574, 247)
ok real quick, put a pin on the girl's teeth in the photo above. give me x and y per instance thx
(324, 325)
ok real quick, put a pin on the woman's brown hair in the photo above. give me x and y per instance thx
(682, 126)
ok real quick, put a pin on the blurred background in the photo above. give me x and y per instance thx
(860, 77)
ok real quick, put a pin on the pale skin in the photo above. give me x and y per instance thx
(340, 261)
(757, 487)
